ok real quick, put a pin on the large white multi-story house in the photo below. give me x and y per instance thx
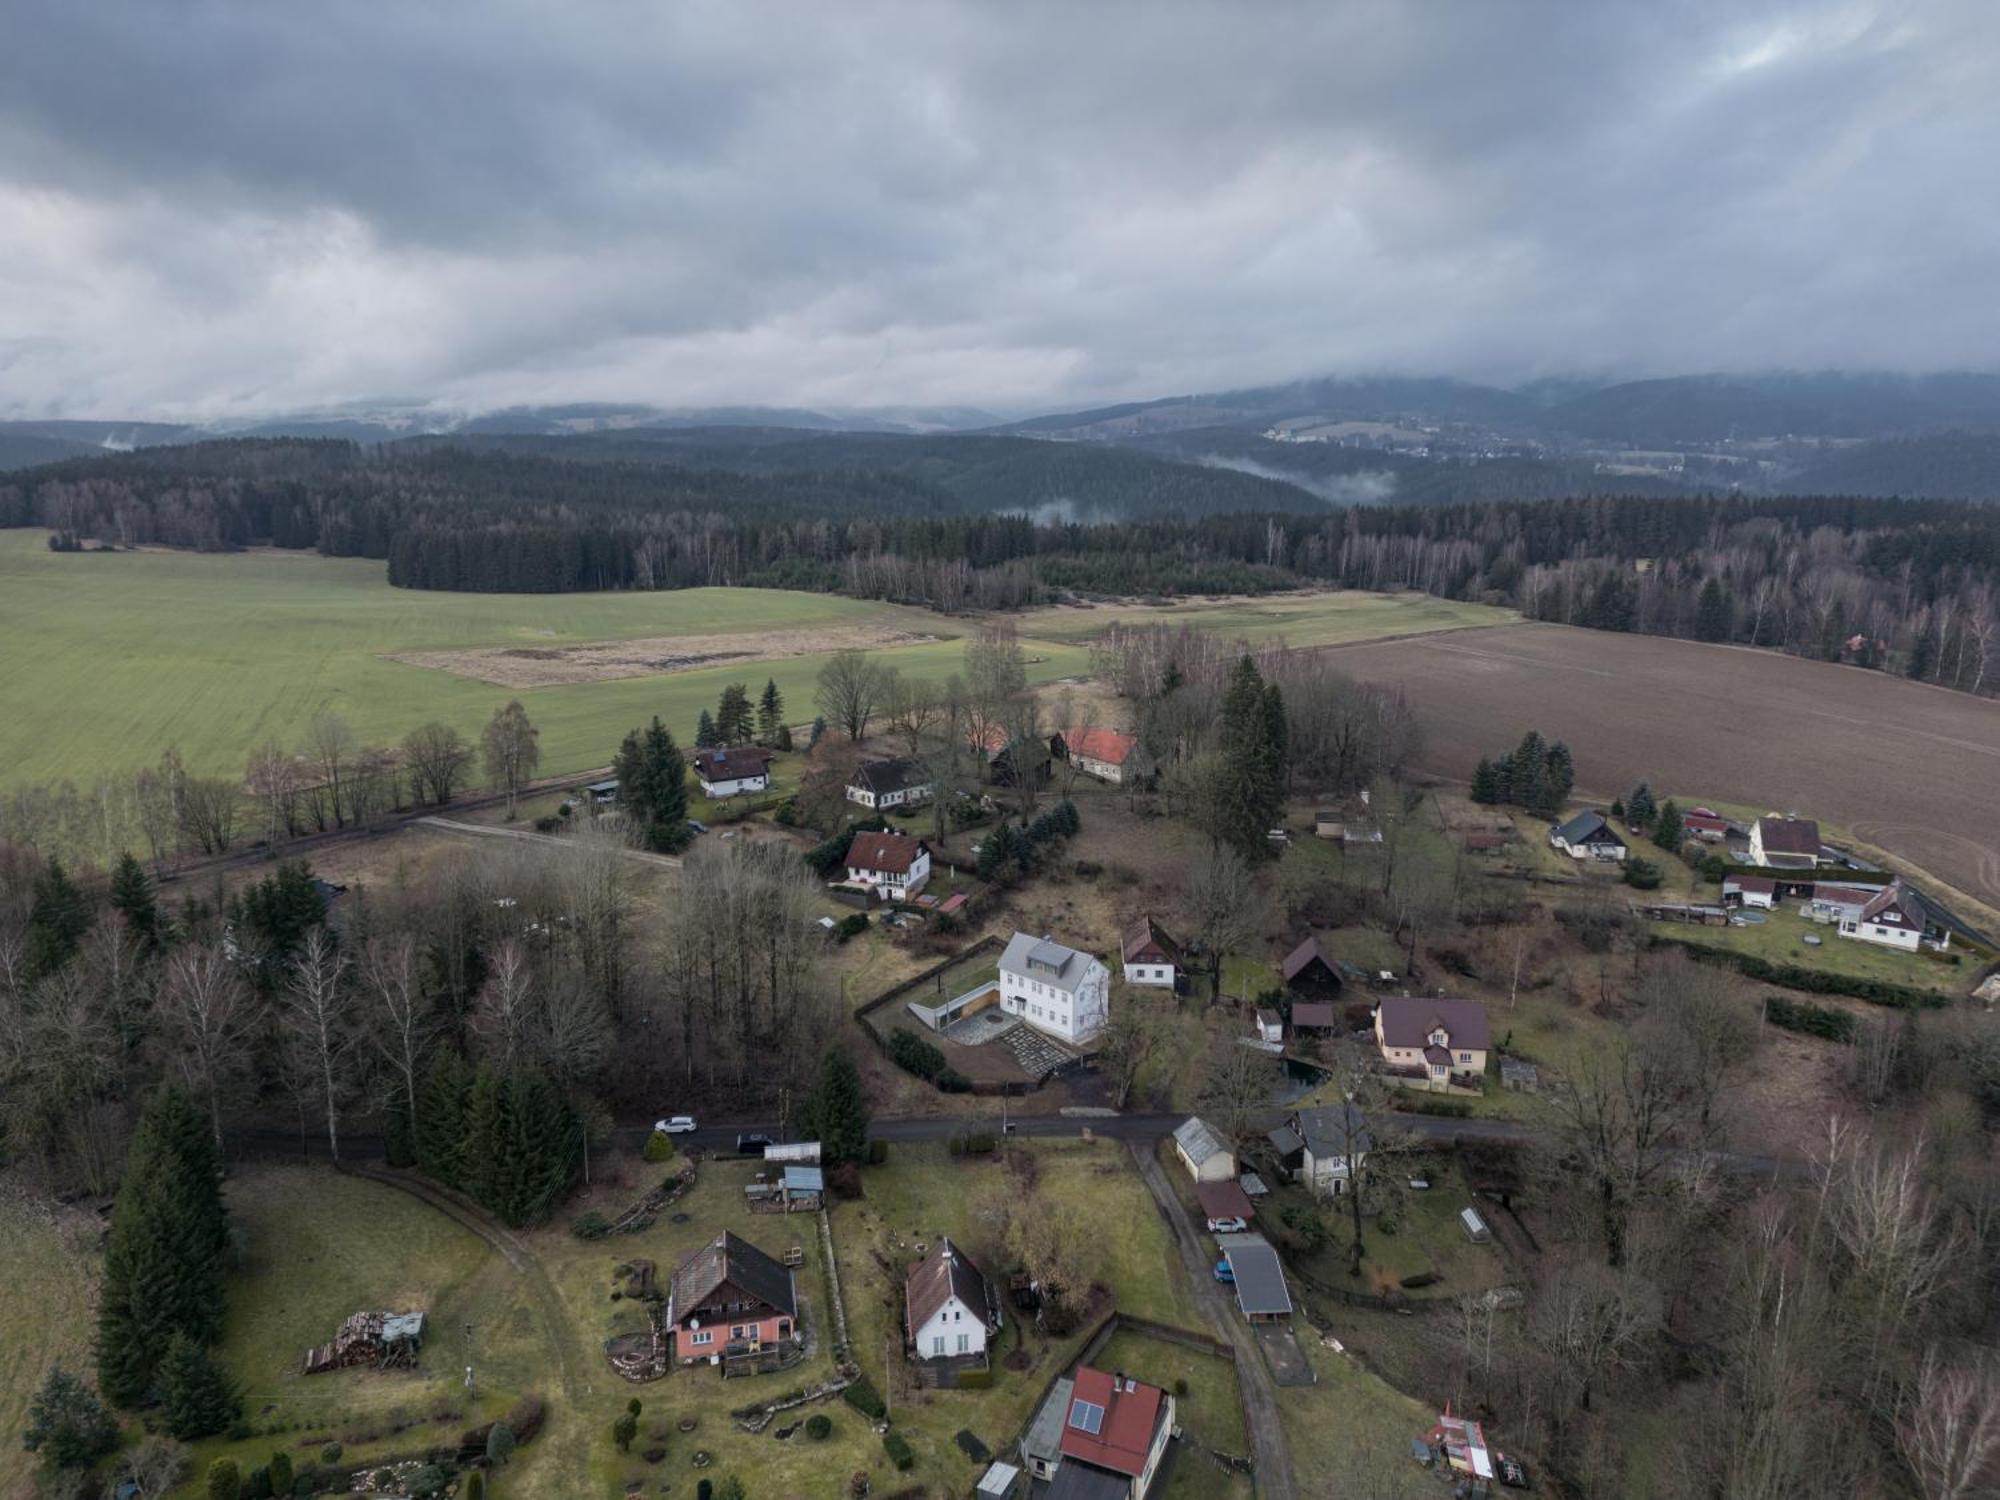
(894, 864)
(1054, 989)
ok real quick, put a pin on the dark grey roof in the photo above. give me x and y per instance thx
(1077, 1480)
(1334, 1130)
(1043, 1439)
(1260, 1278)
(1285, 1141)
(1584, 826)
(883, 776)
(1047, 960)
(742, 1265)
(945, 1273)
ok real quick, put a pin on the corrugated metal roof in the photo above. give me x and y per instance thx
(804, 1180)
(1260, 1277)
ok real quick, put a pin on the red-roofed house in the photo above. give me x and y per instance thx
(1102, 753)
(1706, 824)
(893, 864)
(1113, 1438)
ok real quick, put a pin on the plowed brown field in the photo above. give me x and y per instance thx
(1911, 769)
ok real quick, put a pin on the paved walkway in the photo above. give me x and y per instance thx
(1260, 1396)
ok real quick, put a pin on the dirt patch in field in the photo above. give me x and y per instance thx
(603, 661)
(1908, 768)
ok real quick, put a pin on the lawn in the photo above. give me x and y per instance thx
(46, 1310)
(1210, 1412)
(1780, 939)
(1420, 1235)
(1349, 1433)
(214, 653)
(1312, 619)
(921, 1193)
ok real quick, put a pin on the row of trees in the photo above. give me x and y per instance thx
(1536, 774)
(736, 723)
(329, 780)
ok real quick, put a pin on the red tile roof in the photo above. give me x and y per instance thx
(1129, 1416)
(1101, 744)
(893, 852)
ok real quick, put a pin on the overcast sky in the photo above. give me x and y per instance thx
(210, 210)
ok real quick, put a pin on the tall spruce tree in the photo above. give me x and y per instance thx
(652, 786)
(1530, 777)
(1558, 777)
(770, 713)
(58, 917)
(132, 898)
(1711, 612)
(67, 1424)
(197, 1397)
(705, 736)
(1485, 783)
(1640, 809)
(734, 722)
(1669, 832)
(836, 1112)
(447, 1094)
(163, 1258)
(1247, 797)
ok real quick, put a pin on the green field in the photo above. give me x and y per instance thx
(46, 1314)
(1781, 939)
(106, 658)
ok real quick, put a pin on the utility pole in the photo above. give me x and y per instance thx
(471, 1387)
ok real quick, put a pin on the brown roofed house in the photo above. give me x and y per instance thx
(950, 1305)
(729, 1298)
(1104, 754)
(1435, 1040)
(1310, 970)
(1151, 956)
(1785, 843)
(895, 865)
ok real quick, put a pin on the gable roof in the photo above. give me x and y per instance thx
(1145, 941)
(1047, 960)
(1334, 1130)
(732, 762)
(1101, 744)
(1199, 1139)
(945, 1273)
(1585, 826)
(1083, 1481)
(1111, 1424)
(1260, 1278)
(893, 852)
(737, 1262)
(1895, 906)
(1408, 1021)
(1788, 836)
(883, 776)
(1758, 885)
(1301, 958)
(1835, 893)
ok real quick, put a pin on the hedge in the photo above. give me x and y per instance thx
(974, 1380)
(1812, 981)
(1813, 1020)
(898, 1450)
(1426, 1104)
(865, 1399)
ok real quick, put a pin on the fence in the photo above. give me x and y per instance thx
(865, 1018)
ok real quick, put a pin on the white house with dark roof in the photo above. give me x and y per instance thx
(1333, 1145)
(1054, 989)
(894, 864)
(883, 784)
(732, 771)
(1588, 835)
(1895, 918)
(1784, 843)
(950, 1308)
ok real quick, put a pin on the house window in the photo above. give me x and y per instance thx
(964, 1343)
(784, 1328)
(937, 1344)
(1465, 1057)
(701, 1338)
(736, 1332)
(1437, 1069)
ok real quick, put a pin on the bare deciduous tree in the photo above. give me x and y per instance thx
(205, 1018)
(851, 689)
(401, 1026)
(1948, 1430)
(318, 1007)
(1218, 899)
(503, 1015)
(511, 746)
(437, 760)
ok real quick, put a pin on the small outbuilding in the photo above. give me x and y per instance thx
(1261, 1292)
(1203, 1151)
(1309, 970)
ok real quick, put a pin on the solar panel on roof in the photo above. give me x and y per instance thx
(1086, 1416)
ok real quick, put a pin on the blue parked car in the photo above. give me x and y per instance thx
(1223, 1273)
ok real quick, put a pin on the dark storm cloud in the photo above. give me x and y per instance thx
(220, 209)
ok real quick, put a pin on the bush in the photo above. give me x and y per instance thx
(1181, 1386)
(281, 1473)
(499, 1443)
(524, 1419)
(1814, 1020)
(851, 926)
(705, 1490)
(974, 1380)
(913, 1054)
(427, 1481)
(878, 1152)
(1642, 874)
(980, 1143)
(951, 1081)
(330, 1454)
(819, 1427)
(590, 1225)
(865, 1399)
(259, 1487)
(550, 824)
(225, 1480)
(898, 1450)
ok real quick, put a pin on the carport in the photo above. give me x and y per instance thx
(1260, 1277)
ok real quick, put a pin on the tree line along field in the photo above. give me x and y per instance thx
(108, 658)
(1905, 767)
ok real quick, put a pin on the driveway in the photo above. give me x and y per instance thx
(1260, 1396)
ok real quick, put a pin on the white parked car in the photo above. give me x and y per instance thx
(1234, 1224)
(674, 1125)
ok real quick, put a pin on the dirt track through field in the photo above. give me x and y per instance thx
(605, 661)
(1912, 769)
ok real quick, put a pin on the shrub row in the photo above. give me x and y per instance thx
(865, 1399)
(1812, 981)
(1431, 1104)
(913, 1054)
(1813, 1020)
(898, 1450)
